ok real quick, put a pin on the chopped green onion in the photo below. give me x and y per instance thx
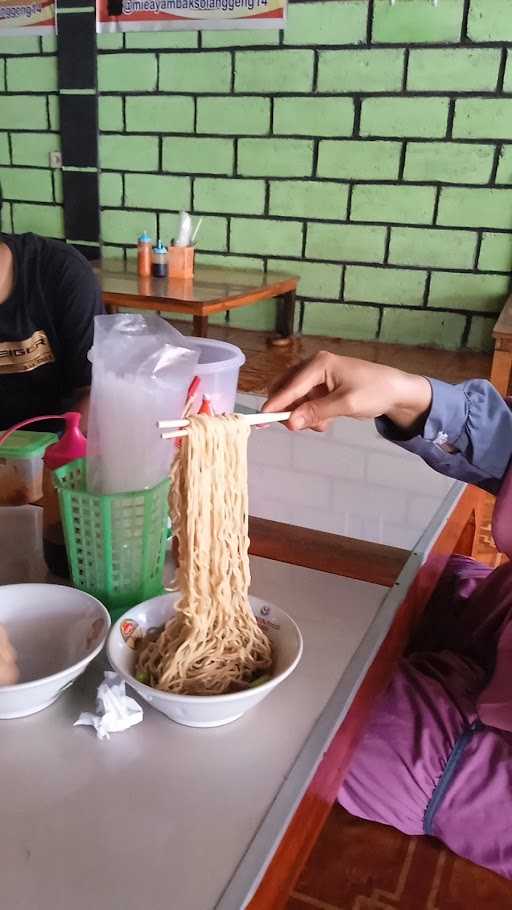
(260, 680)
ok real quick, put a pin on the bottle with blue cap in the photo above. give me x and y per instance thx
(159, 261)
(144, 244)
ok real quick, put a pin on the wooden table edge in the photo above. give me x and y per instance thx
(457, 535)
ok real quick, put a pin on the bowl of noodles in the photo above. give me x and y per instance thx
(48, 636)
(144, 624)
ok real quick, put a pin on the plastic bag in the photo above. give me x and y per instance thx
(141, 373)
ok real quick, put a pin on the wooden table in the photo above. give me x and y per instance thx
(211, 290)
(501, 370)
(225, 819)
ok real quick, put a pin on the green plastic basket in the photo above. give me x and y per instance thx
(115, 544)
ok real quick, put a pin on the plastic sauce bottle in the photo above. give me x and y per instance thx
(144, 244)
(159, 261)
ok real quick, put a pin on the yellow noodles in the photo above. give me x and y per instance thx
(214, 644)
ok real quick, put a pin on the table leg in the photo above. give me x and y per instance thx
(501, 370)
(285, 319)
(200, 324)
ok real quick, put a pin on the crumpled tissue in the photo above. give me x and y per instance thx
(116, 710)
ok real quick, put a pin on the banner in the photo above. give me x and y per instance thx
(162, 15)
(27, 17)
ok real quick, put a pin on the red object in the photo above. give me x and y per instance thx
(72, 444)
(206, 407)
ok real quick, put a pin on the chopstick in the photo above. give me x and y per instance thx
(179, 426)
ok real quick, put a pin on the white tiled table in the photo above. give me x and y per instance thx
(164, 816)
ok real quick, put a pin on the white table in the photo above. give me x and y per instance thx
(164, 816)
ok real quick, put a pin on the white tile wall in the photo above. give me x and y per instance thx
(346, 481)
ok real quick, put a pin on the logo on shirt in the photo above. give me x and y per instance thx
(24, 356)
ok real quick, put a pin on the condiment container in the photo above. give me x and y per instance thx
(21, 467)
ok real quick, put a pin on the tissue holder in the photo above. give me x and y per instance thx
(181, 261)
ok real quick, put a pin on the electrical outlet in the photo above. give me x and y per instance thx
(56, 159)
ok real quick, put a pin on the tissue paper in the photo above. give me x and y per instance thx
(116, 710)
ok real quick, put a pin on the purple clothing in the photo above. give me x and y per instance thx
(436, 756)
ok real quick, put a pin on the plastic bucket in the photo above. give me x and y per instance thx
(115, 543)
(218, 369)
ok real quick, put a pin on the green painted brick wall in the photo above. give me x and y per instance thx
(367, 148)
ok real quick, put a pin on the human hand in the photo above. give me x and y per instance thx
(327, 386)
(9, 673)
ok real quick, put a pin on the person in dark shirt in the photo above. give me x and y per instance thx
(49, 297)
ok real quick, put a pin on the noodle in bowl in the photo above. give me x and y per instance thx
(203, 710)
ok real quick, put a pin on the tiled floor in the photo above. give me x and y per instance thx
(358, 865)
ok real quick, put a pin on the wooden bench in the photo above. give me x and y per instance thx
(501, 369)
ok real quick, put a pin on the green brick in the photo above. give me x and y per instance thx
(110, 252)
(32, 74)
(245, 197)
(448, 162)
(308, 199)
(338, 22)
(22, 112)
(153, 114)
(4, 150)
(316, 278)
(34, 148)
(442, 330)
(26, 184)
(192, 155)
(432, 248)
(163, 40)
(128, 153)
(504, 174)
(7, 223)
(400, 287)
(49, 44)
(314, 116)
(450, 291)
(454, 70)
(417, 22)
(110, 114)
(58, 187)
(507, 82)
(203, 72)
(403, 204)
(480, 334)
(340, 320)
(213, 233)
(260, 317)
(361, 71)
(127, 73)
(47, 220)
(489, 20)
(264, 237)
(495, 253)
(234, 262)
(404, 117)
(111, 189)
(475, 207)
(483, 118)
(119, 226)
(275, 157)
(345, 242)
(157, 192)
(237, 116)
(274, 71)
(19, 45)
(109, 42)
(250, 37)
(355, 159)
(53, 108)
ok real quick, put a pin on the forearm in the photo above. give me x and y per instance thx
(466, 433)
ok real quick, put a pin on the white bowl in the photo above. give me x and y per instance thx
(203, 710)
(56, 632)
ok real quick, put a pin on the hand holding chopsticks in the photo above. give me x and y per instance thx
(178, 427)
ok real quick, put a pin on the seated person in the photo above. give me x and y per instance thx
(48, 300)
(436, 755)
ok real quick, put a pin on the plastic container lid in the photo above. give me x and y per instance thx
(145, 238)
(160, 249)
(27, 444)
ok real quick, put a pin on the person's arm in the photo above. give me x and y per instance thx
(463, 431)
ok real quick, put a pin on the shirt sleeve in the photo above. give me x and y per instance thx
(76, 301)
(467, 435)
